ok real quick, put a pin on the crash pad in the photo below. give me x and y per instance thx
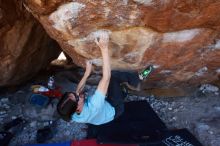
(137, 125)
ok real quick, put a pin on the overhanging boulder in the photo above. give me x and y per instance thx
(180, 38)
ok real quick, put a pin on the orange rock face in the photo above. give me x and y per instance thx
(25, 48)
(179, 37)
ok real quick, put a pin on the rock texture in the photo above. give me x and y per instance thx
(180, 38)
(25, 48)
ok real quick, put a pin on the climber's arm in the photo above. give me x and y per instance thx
(106, 68)
(82, 82)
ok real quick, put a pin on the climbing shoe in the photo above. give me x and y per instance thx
(144, 74)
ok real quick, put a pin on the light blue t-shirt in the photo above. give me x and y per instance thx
(96, 110)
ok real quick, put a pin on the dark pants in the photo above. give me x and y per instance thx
(115, 94)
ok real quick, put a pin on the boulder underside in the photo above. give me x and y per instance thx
(180, 38)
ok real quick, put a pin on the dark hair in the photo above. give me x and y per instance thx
(66, 107)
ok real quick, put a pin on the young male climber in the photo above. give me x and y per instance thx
(97, 109)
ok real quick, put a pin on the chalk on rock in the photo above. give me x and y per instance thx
(99, 34)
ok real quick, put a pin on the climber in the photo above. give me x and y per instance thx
(97, 109)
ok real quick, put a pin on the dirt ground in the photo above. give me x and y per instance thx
(200, 113)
